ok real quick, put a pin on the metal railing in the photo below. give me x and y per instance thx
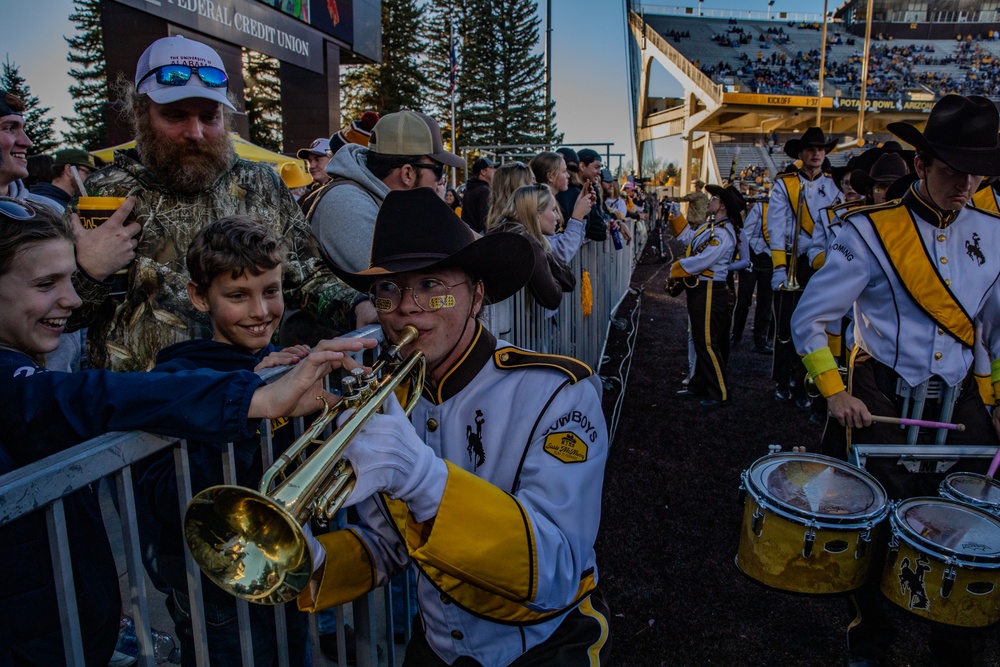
(42, 485)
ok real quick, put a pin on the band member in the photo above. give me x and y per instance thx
(492, 488)
(756, 278)
(920, 284)
(796, 203)
(704, 269)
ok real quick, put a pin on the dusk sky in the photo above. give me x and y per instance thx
(589, 67)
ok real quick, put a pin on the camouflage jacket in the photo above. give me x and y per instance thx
(126, 332)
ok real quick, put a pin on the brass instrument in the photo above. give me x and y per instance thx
(792, 281)
(251, 543)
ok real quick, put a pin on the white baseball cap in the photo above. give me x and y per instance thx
(179, 51)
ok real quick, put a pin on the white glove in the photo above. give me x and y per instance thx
(778, 278)
(389, 457)
(315, 548)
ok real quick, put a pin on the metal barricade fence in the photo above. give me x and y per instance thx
(568, 330)
(42, 485)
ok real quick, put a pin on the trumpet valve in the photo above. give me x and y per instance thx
(349, 388)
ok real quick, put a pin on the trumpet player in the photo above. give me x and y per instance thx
(796, 204)
(492, 487)
(704, 270)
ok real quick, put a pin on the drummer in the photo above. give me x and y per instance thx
(916, 272)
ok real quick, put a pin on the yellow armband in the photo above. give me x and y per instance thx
(836, 343)
(778, 258)
(819, 261)
(677, 224)
(823, 370)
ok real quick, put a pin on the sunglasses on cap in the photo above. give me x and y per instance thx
(16, 209)
(179, 75)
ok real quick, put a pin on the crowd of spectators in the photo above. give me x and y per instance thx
(894, 70)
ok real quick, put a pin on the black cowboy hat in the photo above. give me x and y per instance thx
(868, 158)
(888, 169)
(731, 199)
(811, 138)
(838, 173)
(961, 131)
(416, 231)
(900, 186)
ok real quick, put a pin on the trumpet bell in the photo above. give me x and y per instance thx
(248, 544)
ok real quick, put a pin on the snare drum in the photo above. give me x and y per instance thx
(808, 523)
(944, 562)
(973, 489)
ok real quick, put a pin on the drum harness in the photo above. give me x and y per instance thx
(915, 397)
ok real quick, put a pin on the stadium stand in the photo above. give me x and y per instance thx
(749, 82)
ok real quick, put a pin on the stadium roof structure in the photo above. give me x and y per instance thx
(762, 77)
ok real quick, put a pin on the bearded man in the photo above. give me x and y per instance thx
(182, 175)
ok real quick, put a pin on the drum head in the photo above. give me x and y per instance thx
(972, 488)
(949, 528)
(818, 487)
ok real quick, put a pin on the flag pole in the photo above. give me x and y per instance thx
(453, 64)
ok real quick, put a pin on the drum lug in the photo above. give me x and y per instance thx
(810, 539)
(948, 581)
(757, 524)
(864, 541)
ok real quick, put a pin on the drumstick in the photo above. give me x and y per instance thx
(917, 422)
(993, 465)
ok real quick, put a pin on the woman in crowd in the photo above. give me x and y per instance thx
(452, 199)
(550, 169)
(532, 212)
(506, 180)
(44, 412)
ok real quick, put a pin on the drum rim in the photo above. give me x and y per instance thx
(932, 548)
(763, 498)
(945, 488)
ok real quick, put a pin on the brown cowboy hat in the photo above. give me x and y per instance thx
(961, 131)
(887, 170)
(868, 158)
(811, 138)
(416, 231)
(900, 186)
(731, 199)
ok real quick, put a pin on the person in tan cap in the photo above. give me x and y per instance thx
(405, 151)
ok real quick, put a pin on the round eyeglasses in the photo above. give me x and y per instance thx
(429, 294)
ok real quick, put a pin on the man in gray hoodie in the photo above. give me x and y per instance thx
(405, 152)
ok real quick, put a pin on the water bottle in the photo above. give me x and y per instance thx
(616, 236)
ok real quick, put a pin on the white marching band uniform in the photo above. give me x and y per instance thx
(505, 558)
(858, 272)
(819, 192)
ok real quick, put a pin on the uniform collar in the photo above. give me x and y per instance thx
(804, 176)
(926, 211)
(478, 354)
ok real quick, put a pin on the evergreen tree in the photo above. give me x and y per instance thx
(262, 91)
(37, 125)
(442, 16)
(91, 94)
(398, 82)
(500, 94)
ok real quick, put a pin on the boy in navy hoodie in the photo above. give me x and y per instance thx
(236, 267)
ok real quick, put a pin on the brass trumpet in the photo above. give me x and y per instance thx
(251, 543)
